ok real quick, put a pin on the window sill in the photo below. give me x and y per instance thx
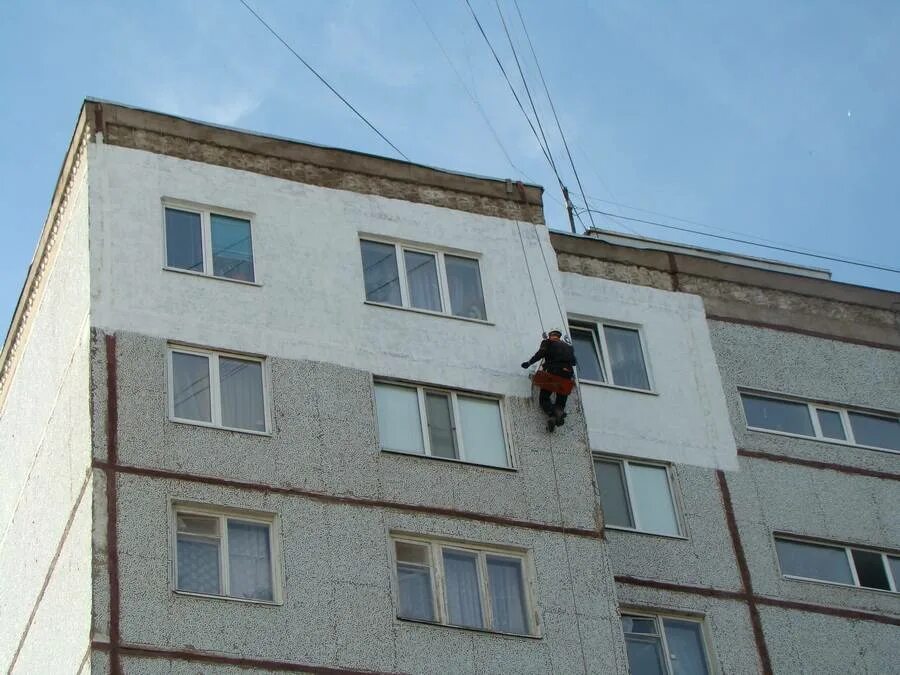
(428, 312)
(207, 425)
(607, 385)
(631, 530)
(807, 580)
(203, 275)
(210, 596)
(817, 439)
(485, 631)
(450, 460)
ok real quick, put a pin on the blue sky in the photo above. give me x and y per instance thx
(771, 119)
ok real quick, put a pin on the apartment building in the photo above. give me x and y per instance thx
(261, 410)
(783, 541)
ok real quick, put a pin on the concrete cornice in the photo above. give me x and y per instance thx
(33, 288)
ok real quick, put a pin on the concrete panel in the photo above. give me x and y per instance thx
(814, 644)
(335, 448)
(311, 294)
(685, 420)
(807, 367)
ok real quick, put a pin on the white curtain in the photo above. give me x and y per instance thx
(380, 272)
(242, 394)
(198, 564)
(421, 273)
(507, 594)
(686, 652)
(399, 424)
(415, 592)
(464, 284)
(249, 560)
(190, 385)
(440, 426)
(626, 357)
(463, 598)
(652, 500)
(482, 431)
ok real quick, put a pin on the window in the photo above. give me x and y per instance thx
(838, 564)
(829, 423)
(610, 354)
(636, 496)
(664, 645)
(217, 389)
(462, 585)
(458, 426)
(209, 243)
(225, 554)
(432, 281)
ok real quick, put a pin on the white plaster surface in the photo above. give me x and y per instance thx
(45, 452)
(310, 304)
(686, 421)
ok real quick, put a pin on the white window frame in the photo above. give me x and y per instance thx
(206, 213)
(455, 421)
(215, 393)
(848, 549)
(659, 617)
(443, 283)
(601, 349)
(439, 585)
(673, 492)
(812, 408)
(224, 513)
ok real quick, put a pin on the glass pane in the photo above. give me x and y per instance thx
(895, 571)
(626, 358)
(464, 284)
(507, 590)
(586, 354)
(482, 431)
(399, 424)
(421, 277)
(198, 564)
(241, 385)
(184, 240)
(613, 497)
(770, 413)
(380, 272)
(831, 425)
(813, 561)
(687, 655)
(416, 601)
(202, 525)
(645, 656)
(412, 553)
(651, 499)
(879, 432)
(639, 624)
(463, 595)
(232, 247)
(870, 569)
(190, 386)
(440, 427)
(249, 560)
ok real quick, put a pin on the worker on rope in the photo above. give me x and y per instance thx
(556, 375)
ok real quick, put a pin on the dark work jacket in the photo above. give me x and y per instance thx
(558, 355)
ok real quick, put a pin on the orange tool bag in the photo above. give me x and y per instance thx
(555, 383)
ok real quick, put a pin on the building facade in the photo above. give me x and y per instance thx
(261, 409)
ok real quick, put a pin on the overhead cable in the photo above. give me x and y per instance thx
(783, 249)
(323, 80)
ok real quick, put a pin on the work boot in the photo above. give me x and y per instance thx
(551, 424)
(559, 417)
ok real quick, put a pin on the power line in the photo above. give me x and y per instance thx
(552, 106)
(323, 80)
(753, 243)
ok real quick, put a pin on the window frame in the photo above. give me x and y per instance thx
(674, 493)
(893, 584)
(658, 618)
(215, 393)
(601, 349)
(422, 390)
(223, 514)
(436, 546)
(400, 247)
(812, 410)
(206, 212)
